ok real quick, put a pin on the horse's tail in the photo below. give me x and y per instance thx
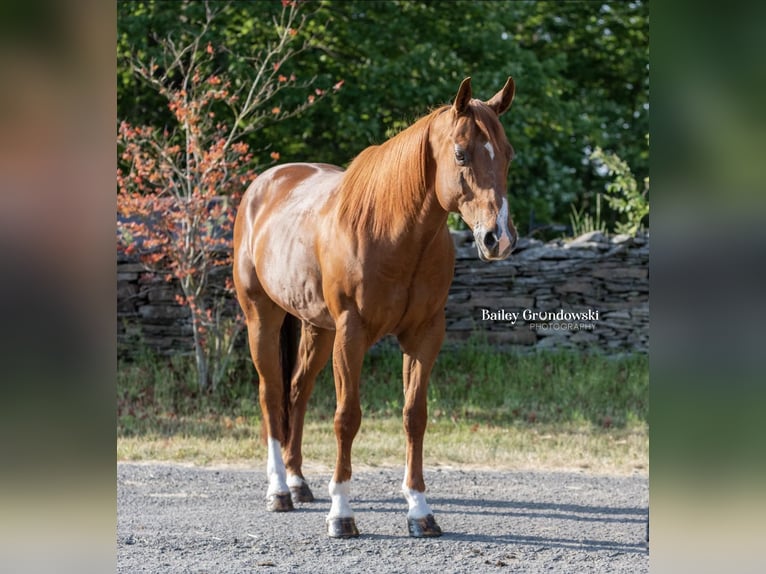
(288, 357)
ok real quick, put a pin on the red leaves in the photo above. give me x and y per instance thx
(178, 185)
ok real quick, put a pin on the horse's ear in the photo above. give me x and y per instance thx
(502, 100)
(463, 97)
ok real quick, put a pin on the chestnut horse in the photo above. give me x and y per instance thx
(352, 256)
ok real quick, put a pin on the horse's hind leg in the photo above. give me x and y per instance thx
(314, 351)
(264, 322)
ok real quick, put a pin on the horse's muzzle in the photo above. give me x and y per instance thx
(494, 244)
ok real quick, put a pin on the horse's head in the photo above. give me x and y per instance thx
(472, 159)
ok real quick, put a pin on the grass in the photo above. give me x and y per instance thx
(487, 407)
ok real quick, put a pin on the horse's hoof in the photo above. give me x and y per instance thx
(342, 528)
(279, 503)
(425, 527)
(301, 493)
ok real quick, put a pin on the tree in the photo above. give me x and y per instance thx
(178, 185)
(581, 70)
(581, 73)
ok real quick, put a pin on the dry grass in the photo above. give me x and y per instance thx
(381, 443)
(486, 407)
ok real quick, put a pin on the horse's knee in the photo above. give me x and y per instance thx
(414, 419)
(347, 421)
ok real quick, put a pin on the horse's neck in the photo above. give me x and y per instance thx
(371, 210)
(430, 217)
(422, 227)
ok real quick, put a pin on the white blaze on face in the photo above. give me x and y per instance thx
(339, 494)
(418, 507)
(275, 469)
(502, 226)
(490, 149)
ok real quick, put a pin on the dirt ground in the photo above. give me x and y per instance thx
(174, 518)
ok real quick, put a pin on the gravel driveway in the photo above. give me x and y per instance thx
(174, 518)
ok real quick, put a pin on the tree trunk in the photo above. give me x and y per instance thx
(200, 356)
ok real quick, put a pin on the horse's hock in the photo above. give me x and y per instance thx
(590, 292)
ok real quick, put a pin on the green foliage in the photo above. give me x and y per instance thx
(623, 194)
(583, 222)
(481, 383)
(455, 222)
(160, 394)
(581, 71)
(470, 383)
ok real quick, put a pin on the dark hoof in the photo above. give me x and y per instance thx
(279, 503)
(342, 528)
(301, 493)
(425, 527)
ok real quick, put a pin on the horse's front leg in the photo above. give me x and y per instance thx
(348, 355)
(420, 347)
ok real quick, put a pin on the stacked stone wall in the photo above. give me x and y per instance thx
(590, 292)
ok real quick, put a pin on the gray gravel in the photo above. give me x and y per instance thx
(174, 518)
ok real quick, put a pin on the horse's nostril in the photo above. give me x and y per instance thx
(490, 240)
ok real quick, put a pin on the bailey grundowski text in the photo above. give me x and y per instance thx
(529, 315)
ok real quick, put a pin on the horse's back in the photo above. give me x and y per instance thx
(289, 181)
(287, 192)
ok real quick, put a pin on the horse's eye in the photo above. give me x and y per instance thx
(460, 156)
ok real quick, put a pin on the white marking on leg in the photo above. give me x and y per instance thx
(490, 149)
(275, 468)
(295, 481)
(418, 507)
(339, 494)
(502, 224)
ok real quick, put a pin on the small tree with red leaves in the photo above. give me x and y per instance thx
(177, 187)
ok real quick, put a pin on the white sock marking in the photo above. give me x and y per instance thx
(293, 480)
(418, 507)
(490, 149)
(275, 469)
(339, 494)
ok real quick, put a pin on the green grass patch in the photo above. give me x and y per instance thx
(486, 407)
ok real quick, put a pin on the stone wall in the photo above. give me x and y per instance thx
(604, 279)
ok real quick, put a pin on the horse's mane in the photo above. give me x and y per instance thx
(383, 187)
